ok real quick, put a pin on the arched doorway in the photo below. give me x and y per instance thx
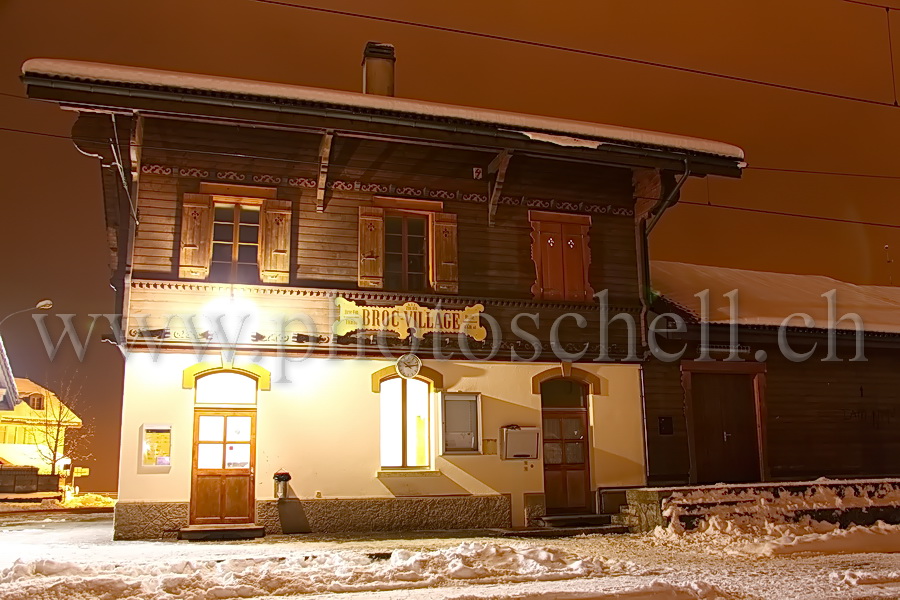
(564, 415)
(224, 453)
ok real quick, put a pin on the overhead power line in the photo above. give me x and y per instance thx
(779, 213)
(581, 51)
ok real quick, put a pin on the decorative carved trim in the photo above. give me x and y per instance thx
(388, 298)
(608, 209)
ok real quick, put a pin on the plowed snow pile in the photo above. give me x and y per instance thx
(303, 574)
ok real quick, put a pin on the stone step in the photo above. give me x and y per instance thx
(221, 532)
(588, 520)
(557, 532)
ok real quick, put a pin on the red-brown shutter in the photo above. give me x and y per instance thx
(275, 242)
(196, 236)
(445, 266)
(371, 247)
(576, 260)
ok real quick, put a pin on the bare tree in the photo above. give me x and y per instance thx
(51, 433)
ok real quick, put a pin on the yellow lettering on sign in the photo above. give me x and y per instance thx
(409, 319)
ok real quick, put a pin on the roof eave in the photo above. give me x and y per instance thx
(105, 96)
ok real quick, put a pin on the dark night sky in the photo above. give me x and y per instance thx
(51, 228)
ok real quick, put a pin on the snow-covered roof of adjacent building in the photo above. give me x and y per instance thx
(9, 394)
(562, 132)
(767, 299)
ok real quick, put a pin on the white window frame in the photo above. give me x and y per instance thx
(142, 468)
(478, 423)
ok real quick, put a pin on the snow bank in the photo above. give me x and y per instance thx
(89, 500)
(880, 537)
(328, 571)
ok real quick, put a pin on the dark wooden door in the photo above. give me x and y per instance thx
(566, 450)
(223, 466)
(726, 446)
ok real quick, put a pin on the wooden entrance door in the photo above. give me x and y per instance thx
(567, 487)
(224, 458)
(724, 425)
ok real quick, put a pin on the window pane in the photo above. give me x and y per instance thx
(247, 274)
(460, 422)
(415, 245)
(394, 243)
(393, 281)
(249, 214)
(211, 428)
(563, 393)
(415, 227)
(224, 213)
(249, 234)
(392, 422)
(237, 456)
(222, 252)
(220, 272)
(238, 429)
(248, 254)
(416, 264)
(416, 282)
(226, 388)
(416, 423)
(209, 456)
(393, 225)
(223, 232)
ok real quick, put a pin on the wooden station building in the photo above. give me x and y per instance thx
(361, 291)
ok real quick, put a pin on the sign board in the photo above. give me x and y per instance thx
(81, 472)
(409, 319)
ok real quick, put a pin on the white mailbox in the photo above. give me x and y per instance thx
(520, 443)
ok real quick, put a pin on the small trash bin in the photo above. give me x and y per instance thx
(281, 483)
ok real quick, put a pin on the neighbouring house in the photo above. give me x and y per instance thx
(357, 296)
(33, 420)
(805, 410)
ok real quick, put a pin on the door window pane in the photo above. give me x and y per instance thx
(392, 422)
(552, 453)
(574, 453)
(238, 429)
(573, 429)
(237, 456)
(551, 429)
(563, 393)
(416, 423)
(209, 456)
(211, 428)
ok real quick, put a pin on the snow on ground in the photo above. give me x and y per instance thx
(73, 557)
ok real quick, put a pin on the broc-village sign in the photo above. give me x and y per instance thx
(409, 318)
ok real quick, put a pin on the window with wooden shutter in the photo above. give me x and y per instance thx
(445, 268)
(561, 253)
(371, 247)
(275, 242)
(196, 236)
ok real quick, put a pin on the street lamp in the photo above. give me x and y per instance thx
(45, 304)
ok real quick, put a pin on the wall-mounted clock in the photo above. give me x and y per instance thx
(408, 366)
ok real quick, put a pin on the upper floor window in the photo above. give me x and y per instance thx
(406, 252)
(561, 254)
(35, 401)
(235, 234)
(407, 245)
(235, 249)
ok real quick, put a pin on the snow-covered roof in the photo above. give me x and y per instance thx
(571, 133)
(9, 397)
(767, 299)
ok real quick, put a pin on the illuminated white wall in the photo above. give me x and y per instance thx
(323, 427)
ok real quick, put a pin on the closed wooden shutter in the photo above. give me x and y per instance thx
(561, 254)
(445, 266)
(196, 236)
(275, 242)
(576, 259)
(371, 247)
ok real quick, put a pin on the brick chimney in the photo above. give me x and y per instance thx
(378, 69)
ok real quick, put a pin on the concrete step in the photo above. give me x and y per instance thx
(588, 520)
(221, 532)
(557, 532)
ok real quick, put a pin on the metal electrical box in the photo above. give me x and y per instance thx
(520, 443)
